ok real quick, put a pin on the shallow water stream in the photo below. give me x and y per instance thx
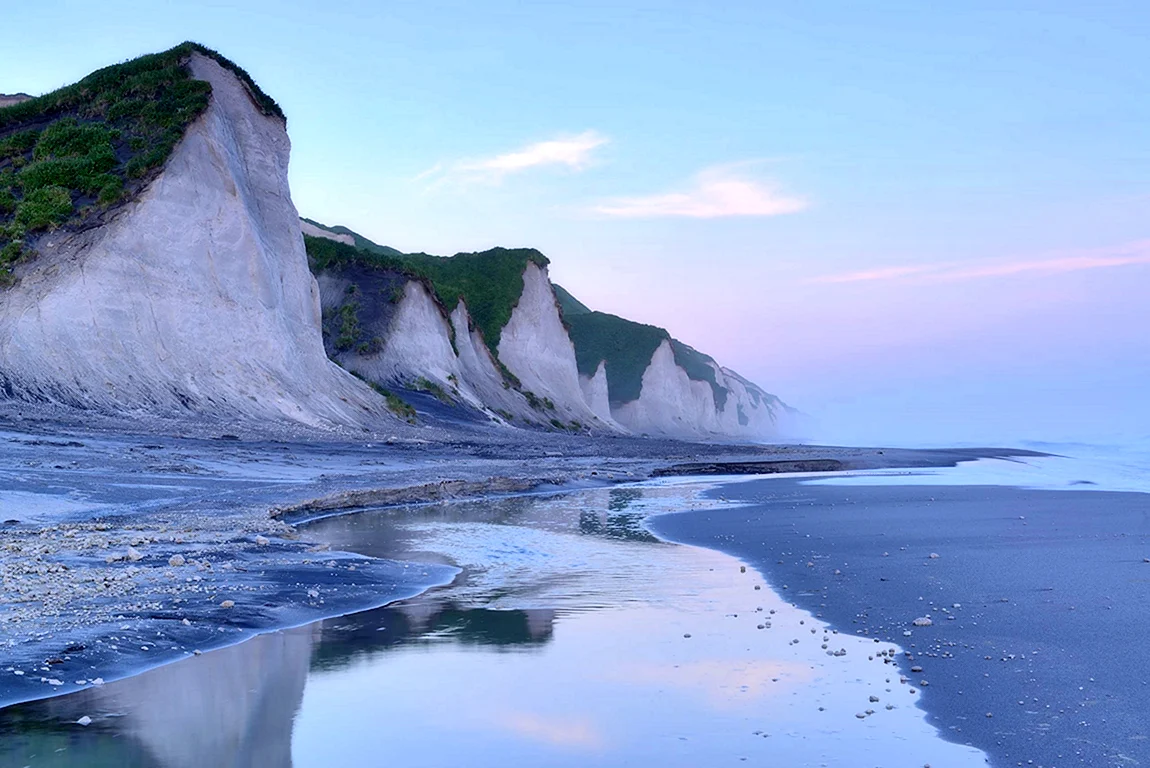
(572, 636)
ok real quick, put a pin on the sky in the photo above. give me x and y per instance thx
(916, 222)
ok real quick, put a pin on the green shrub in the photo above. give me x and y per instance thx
(349, 327)
(423, 384)
(568, 303)
(18, 143)
(11, 253)
(372, 346)
(68, 138)
(401, 408)
(112, 191)
(44, 208)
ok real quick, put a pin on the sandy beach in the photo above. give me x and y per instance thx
(1036, 599)
(189, 541)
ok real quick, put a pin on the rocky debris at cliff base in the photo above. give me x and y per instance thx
(443, 490)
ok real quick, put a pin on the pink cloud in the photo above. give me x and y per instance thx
(1120, 256)
(716, 192)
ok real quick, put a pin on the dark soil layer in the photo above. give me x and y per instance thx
(1040, 601)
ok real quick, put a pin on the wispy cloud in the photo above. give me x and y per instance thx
(714, 193)
(1103, 258)
(574, 153)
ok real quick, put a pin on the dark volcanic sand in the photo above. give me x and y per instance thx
(1051, 634)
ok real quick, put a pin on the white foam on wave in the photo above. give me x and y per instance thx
(1073, 467)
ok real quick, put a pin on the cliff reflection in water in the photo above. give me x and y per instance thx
(569, 638)
(524, 560)
(231, 707)
(236, 706)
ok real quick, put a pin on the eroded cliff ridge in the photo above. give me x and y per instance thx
(408, 322)
(183, 285)
(152, 261)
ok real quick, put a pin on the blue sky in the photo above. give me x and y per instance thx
(910, 219)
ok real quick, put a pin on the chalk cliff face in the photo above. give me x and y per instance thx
(672, 404)
(409, 340)
(481, 375)
(536, 348)
(597, 395)
(414, 343)
(194, 297)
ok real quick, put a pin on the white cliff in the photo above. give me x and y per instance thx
(311, 229)
(194, 297)
(416, 343)
(535, 347)
(480, 372)
(596, 394)
(670, 403)
(418, 340)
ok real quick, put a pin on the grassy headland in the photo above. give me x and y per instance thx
(71, 154)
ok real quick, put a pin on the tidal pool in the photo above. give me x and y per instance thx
(571, 637)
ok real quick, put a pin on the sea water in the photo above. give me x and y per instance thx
(1068, 466)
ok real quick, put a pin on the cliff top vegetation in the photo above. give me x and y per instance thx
(627, 348)
(489, 282)
(70, 155)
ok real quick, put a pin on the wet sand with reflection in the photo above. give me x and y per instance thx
(572, 636)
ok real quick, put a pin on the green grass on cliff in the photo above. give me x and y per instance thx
(570, 305)
(489, 282)
(69, 155)
(627, 348)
